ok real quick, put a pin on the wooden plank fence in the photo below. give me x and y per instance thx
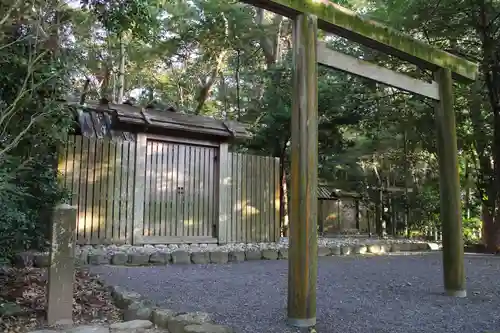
(179, 182)
(255, 199)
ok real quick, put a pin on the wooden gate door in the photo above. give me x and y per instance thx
(180, 193)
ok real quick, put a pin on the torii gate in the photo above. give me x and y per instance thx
(307, 16)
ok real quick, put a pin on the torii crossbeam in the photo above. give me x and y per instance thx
(307, 16)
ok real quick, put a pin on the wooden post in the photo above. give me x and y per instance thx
(449, 185)
(224, 193)
(62, 266)
(303, 250)
(136, 235)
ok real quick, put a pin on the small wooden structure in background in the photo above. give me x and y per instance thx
(143, 176)
(342, 212)
(339, 211)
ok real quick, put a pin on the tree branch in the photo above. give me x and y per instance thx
(9, 11)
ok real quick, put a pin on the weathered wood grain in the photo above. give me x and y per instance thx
(449, 188)
(302, 271)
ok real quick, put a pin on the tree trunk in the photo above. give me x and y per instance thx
(207, 84)
(85, 91)
(237, 78)
(113, 91)
(283, 189)
(390, 205)
(467, 189)
(270, 44)
(121, 74)
(368, 221)
(407, 184)
(358, 214)
(379, 211)
(489, 177)
(105, 89)
(491, 231)
(54, 41)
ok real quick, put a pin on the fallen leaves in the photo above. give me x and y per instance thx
(24, 289)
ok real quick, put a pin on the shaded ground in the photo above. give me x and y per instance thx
(355, 294)
(23, 300)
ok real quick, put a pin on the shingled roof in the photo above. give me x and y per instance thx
(123, 121)
(326, 192)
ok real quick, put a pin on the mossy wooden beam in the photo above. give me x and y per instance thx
(449, 189)
(343, 22)
(303, 250)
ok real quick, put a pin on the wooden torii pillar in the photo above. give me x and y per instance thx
(307, 16)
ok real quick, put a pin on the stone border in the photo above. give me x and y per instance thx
(158, 256)
(137, 309)
(180, 256)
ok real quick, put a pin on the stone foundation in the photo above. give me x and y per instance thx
(127, 255)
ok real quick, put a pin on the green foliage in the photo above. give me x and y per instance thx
(25, 202)
(117, 16)
(426, 206)
(271, 130)
(33, 122)
(472, 230)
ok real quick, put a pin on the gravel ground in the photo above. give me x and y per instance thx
(355, 294)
